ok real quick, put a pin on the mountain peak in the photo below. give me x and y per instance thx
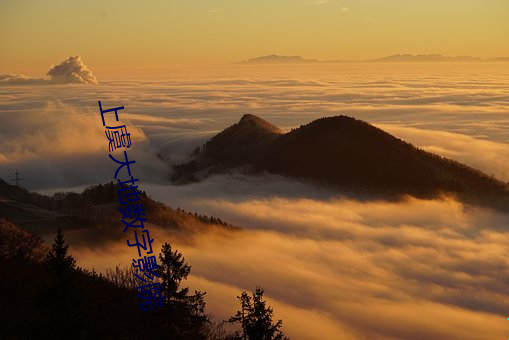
(240, 143)
(279, 59)
(254, 122)
(249, 117)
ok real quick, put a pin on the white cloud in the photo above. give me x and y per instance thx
(72, 70)
(66, 146)
(487, 156)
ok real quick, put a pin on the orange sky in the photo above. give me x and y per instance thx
(133, 35)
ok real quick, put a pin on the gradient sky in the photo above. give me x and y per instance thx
(142, 34)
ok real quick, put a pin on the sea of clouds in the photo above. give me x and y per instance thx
(459, 113)
(333, 267)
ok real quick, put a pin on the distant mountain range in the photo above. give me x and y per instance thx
(277, 59)
(280, 59)
(344, 153)
(426, 58)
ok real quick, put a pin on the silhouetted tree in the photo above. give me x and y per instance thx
(57, 259)
(61, 300)
(255, 318)
(123, 277)
(185, 313)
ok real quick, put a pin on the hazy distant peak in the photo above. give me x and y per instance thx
(277, 59)
(426, 57)
(432, 57)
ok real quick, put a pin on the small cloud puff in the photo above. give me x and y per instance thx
(72, 70)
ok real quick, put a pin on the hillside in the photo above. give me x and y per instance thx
(96, 208)
(235, 146)
(354, 157)
(77, 303)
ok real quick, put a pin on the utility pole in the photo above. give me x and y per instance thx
(17, 178)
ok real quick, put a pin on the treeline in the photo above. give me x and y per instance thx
(97, 207)
(46, 295)
(203, 218)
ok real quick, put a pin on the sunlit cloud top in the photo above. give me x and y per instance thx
(72, 70)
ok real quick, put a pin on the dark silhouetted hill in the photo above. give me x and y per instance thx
(96, 208)
(353, 156)
(108, 306)
(235, 146)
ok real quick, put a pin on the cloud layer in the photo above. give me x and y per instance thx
(340, 268)
(60, 145)
(453, 112)
(18, 79)
(420, 269)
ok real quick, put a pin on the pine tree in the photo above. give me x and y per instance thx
(185, 313)
(61, 300)
(255, 318)
(58, 260)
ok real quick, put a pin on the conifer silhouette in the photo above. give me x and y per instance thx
(255, 318)
(185, 313)
(61, 299)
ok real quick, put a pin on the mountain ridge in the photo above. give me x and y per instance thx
(349, 154)
(420, 58)
(96, 208)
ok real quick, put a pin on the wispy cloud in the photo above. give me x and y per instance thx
(18, 79)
